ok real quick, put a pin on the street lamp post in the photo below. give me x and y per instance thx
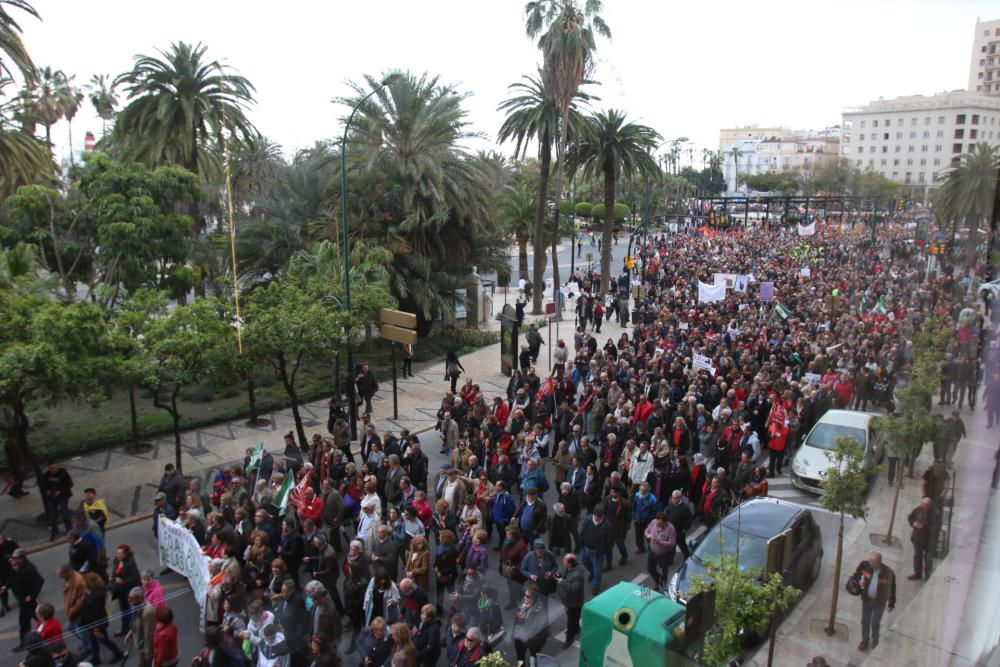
(353, 411)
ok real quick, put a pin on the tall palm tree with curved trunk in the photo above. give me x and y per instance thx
(613, 149)
(970, 193)
(736, 154)
(46, 99)
(566, 34)
(15, 55)
(533, 115)
(103, 98)
(69, 97)
(178, 104)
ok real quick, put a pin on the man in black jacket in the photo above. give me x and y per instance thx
(56, 488)
(680, 517)
(290, 611)
(595, 542)
(878, 590)
(924, 534)
(26, 584)
(569, 586)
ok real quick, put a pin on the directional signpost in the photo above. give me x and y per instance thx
(398, 327)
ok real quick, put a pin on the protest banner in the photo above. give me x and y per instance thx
(180, 551)
(701, 362)
(814, 378)
(807, 230)
(741, 283)
(767, 291)
(711, 293)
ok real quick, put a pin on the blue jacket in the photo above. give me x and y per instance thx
(644, 509)
(504, 508)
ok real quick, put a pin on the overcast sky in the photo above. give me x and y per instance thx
(685, 68)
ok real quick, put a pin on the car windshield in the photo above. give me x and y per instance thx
(824, 436)
(721, 541)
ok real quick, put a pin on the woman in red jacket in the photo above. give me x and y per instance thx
(48, 628)
(165, 653)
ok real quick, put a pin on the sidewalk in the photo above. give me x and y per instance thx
(933, 621)
(128, 481)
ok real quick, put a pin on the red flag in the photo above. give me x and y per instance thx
(297, 496)
(545, 389)
(586, 404)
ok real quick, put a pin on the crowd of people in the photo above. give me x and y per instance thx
(372, 558)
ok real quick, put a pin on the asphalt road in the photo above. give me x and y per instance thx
(566, 262)
(139, 536)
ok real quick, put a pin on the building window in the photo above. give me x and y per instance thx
(913, 121)
(861, 149)
(861, 137)
(875, 123)
(882, 163)
(973, 133)
(959, 133)
(909, 163)
(923, 149)
(885, 136)
(863, 123)
(923, 162)
(927, 120)
(895, 163)
(857, 163)
(909, 149)
(920, 177)
(960, 119)
(898, 148)
(940, 134)
(871, 149)
(940, 120)
(956, 148)
(971, 148)
(937, 148)
(975, 119)
(906, 178)
(895, 175)
(885, 149)
(871, 164)
(927, 134)
(899, 135)
(937, 162)
(888, 122)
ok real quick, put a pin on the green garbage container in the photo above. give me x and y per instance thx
(629, 626)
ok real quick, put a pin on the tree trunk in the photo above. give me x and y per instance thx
(560, 169)
(895, 502)
(176, 421)
(252, 399)
(19, 457)
(133, 417)
(831, 628)
(522, 257)
(72, 162)
(538, 240)
(609, 218)
(294, 398)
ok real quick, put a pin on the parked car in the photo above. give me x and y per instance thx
(811, 463)
(745, 532)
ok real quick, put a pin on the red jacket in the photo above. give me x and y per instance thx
(49, 631)
(165, 645)
(502, 413)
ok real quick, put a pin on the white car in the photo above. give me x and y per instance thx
(811, 463)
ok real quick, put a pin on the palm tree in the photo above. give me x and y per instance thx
(103, 98)
(11, 46)
(970, 192)
(566, 33)
(46, 103)
(257, 168)
(178, 104)
(613, 149)
(407, 139)
(737, 154)
(517, 214)
(23, 157)
(69, 97)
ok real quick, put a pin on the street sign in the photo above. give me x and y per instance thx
(398, 334)
(399, 327)
(398, 318)
(777, 552)
(699, 615)
(550, 308)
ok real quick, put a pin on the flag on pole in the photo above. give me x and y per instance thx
(298, 495)
(256, 456)
(881, 308)
(781, 310)
(863, 308)
(547, 387)
(281, 497)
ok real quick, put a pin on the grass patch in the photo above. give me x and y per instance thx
(69, 428)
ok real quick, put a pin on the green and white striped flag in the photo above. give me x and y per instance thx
(781, 310)
(281, 497)
(255, 458)
(881, 308)
(863, 308)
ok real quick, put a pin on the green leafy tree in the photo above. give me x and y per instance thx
(840, 495)
(49, 352)
(21, 271)
(60, 226)
(286, 326)
(745, 602)
(912, 423)
(128, 331)
(613, 148)
(23, 157)
(566, 32)
(183, 347)
(144, 239)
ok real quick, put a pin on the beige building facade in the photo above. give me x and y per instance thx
(984, 65)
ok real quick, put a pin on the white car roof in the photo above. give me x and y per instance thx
(850, 418)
